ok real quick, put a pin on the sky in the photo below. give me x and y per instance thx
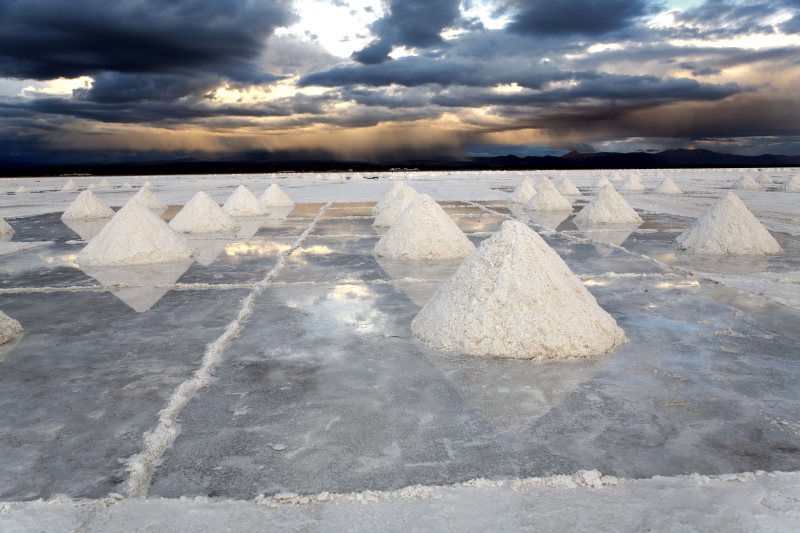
(393, 80)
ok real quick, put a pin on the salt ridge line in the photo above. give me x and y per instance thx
(161, 438)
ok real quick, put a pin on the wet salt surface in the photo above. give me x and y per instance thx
(325, 390)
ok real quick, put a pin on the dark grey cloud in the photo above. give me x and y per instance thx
(570, 17)
(413, 23)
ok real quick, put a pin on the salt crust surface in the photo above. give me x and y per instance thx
(608, 207)
(135, 236)
(516, 298)
(548, 199)
(565, 186)
(746, 184)
(423, 231)
(275, 197)
(394, 207)
(667, 186)
(242, 203)
(202, 215)
(87, 206)
(10, 329)
(524, 191)
(5, 227)
(727, 227)
(147, 199)
(632, 184)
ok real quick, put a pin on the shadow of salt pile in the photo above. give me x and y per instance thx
(141, 286)
(86, 229)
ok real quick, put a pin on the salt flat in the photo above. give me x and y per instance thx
(318, 388)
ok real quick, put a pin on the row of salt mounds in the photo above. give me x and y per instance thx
(275, 197)
(567, 187)
(396, 202)
(135, 236)
(727, 227)
(548, 199)
(516, 298)
(764, 179)
(69, 186)
(632, 184)
(424, 232)
(608, 207)
(667, 186)
(242, 203)
(523, 192)
(746, 183)
(202, 215)
(148, 200)
(87, 206)
(792, 184)
(5, 227)
(10, 329)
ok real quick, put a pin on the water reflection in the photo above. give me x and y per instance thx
(208, 249)
(86, 229)
(611, 234)
(549, 221)
(148, 281)
(418, 281)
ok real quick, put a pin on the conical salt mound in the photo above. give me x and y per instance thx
(69, 186)
(601, 182)
(2, 191)
(389, 214)
(565, 186)
(792, 185)
(135, 236)
(5, 227)
(21, 190)
(667, 186)
(764, 179)
(202, 215)
(608, 207)
(523, 192)
(242, 203)
(87, 205)
(10, 329)
(389, 198)
(516, 298)
(548, 199)
(727, 227)
(632, 184)
(275, 197)
(147, 199)
(127, 186)
(104, 184)
(746, 184)
(424, 232)
(91, 187)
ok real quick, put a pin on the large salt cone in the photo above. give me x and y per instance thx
(667, 186)
(746, 183)
(548, 199)
(147, 199)
(87, 206)
(274, 197)
(203, 215)
(242, 203)
(608, 207)
(10, 329)
(394, 207)
(523, 192)
(516, 298)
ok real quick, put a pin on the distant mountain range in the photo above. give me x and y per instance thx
(573, 160)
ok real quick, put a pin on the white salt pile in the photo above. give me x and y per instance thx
(548, 199)
(601, 182)
(202, 215)
(275, 197)
(127, 185)
(10, 329)
(91, 187)
(747, 183)
(565, 186)
(792, 184)
(608, 207)
(632, 184)
(135, 236)
(69, 186)
(764, 179)
(104, 184)
(21, 190)
(523, 192)
(2, 191)
(242, 203)
(87, 205)
(516, 298)
(727, 227)
(147, 199)
(389, 198)
(423, 231)
(5, 227)
(147, 184)
(394, 207)
(667, 186)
